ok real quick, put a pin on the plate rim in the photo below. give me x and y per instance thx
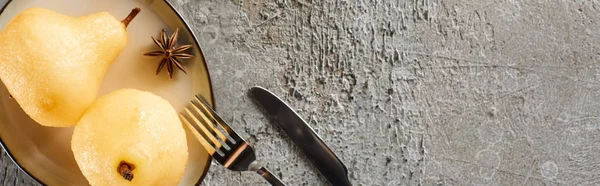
(212, 96)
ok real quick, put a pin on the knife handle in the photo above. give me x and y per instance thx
(316, 151)
(270, 177)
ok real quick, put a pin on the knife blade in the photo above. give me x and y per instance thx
(303, 136)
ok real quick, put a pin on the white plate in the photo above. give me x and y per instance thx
(45, 153)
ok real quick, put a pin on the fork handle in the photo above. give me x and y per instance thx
(270, 177)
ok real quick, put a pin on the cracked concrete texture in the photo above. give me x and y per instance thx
(420, 92)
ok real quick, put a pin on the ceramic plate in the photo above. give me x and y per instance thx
(45, 153)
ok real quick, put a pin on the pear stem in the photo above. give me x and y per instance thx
(131, 15)
(125, 169)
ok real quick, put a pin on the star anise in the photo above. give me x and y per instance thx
(170, 53)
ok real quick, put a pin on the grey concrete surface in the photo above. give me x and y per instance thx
(419, 92)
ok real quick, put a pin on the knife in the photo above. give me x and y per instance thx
(303, 136)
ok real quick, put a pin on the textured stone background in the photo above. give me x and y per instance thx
(416, 92)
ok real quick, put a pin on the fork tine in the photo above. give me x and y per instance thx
(208, 128)
(201, 137)
(218, 154)
(216, 122)
(202, 128)
(209, 123)
(217, 119)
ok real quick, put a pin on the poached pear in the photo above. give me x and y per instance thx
(130, 137)
(53, 64)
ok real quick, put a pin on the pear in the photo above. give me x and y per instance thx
(130, 137)
(52, 64)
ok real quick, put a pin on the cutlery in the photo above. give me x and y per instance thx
(303, 136)
(222, 142)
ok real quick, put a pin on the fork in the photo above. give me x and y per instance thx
(223, 143)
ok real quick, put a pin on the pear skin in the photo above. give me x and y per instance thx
(53, 64)
(130, 137)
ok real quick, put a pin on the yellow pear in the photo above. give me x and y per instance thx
(130, 137)
(52, 64)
